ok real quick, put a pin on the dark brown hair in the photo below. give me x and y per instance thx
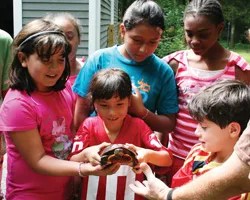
(45, 39)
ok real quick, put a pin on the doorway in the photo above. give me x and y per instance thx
(6, 16)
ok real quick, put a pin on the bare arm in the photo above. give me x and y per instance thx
(160, 123)
(243, 76)
(82, 111)
(229, 179)
(159, 158)
(225, 181)
(29, 145)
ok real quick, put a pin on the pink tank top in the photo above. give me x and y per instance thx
(183, 138)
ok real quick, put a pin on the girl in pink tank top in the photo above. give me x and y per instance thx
(205, 62)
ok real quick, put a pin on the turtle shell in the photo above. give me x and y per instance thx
(118, 153)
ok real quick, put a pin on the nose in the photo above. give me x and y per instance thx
(195, 40)
(112, 112)
(197, 131)
(143, 48)
(53, 64)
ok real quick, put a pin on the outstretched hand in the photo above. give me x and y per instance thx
(152, 188)
(142, 153)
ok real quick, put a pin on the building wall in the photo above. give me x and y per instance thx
(32, 9)
(105, 22)
(27, 10)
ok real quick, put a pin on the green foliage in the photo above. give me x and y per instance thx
(173, 36)
(236, 13)
(243, 50)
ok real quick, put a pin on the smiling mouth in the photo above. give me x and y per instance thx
(197, 49)
(51, 76)
(112, 119)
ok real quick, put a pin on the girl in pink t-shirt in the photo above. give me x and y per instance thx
(36, 117)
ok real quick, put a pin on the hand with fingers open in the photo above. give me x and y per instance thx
(152, 188)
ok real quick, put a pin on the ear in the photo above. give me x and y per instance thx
(122, 30)
(220, 28)
(22, 58)
(234, 130)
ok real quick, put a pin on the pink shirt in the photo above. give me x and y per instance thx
(183, 138)
(52, 114)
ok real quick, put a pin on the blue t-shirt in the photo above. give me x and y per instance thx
(153, 77)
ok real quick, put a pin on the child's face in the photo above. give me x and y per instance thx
(200, 33)
(112, 111)
(71, 33)
(44, 74)
(141, 41)
(213, 138)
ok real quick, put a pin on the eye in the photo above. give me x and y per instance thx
(204, 35)
(61, 60)
(153, 42)
(69, 36)
(203, 126)
(189, 34)
(45, 60)
(137, 41)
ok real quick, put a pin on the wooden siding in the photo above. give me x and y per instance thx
(105, 22)
(79, 8)
(33, 9)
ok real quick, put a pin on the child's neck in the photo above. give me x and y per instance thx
(112, 131)
(215, 59)
(221, 157)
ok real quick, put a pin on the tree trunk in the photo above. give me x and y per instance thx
(232, 33)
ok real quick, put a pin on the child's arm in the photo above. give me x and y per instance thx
(30, 147)
(159, 158)
(82, 111)
(161, 123)
(243, 76)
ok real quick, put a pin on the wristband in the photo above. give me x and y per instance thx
(79, 169)
(145, 116)
(170, 193)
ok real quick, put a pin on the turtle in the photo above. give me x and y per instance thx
(118, 153)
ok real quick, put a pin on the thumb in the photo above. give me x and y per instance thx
(104, 144)
(131, 146)
(147, 171)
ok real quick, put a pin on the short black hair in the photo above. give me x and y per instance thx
(110, 82)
